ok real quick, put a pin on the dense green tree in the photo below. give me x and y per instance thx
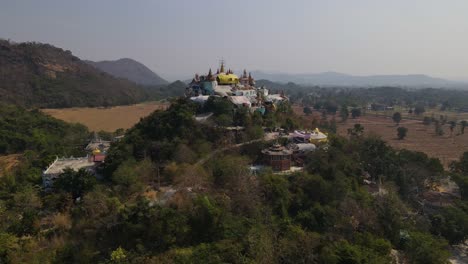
(462, 181)
(75, 182)
(344, 113)
(355, 112)
(356, 131)
(419, 109)
(401, 132)
(331, 107)
(396, 118)
(423, 248)
(452, 223)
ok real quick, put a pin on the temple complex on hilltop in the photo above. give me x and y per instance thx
(240, 91)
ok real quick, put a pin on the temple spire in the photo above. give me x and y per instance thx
(251, 80)
(210, 75)
(222, 66)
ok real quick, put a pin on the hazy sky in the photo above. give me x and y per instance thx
(177, 38)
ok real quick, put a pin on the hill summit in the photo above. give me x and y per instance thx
(131, 70)
(41, 75)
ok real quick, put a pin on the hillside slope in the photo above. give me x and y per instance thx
(131, 70)
(41, 75)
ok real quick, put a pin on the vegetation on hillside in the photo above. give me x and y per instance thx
(22, 130)
(41, 75)
(220, 212)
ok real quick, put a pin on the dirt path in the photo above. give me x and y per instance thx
(267, 137)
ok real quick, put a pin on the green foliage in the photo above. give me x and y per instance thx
(343, 252)
(216, 211)
(452, 223)
(344, 113)
(75, 182)
(118, 255)
(355, 112)
(22, 130)
(423, 248)
(396, 118)
(462, 181)
(40, 75)
(401, 132)
(419, 109)
(276, 193)
(356, 131)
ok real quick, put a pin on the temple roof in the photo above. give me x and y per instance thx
(277, 149)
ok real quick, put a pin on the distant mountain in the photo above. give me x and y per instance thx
(41, 75)
(340, 79)
(131, 70)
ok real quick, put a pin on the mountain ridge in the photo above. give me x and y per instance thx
(331, 78)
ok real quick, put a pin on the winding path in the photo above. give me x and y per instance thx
(267, 137)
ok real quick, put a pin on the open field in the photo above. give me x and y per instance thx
(420, 137)
(430, 112)
(107, 119)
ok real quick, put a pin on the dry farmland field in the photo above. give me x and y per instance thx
(107, 119)
(419, 137)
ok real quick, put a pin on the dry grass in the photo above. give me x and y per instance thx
(107, 119)
(8, 162)
(420, 137)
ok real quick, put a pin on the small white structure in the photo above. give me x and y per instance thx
(203, 117)
(223, 90)
(305, 147)
(240, 100)
(59, 165)
(201, 99)
(275, 98)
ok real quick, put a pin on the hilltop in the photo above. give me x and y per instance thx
(41, 75)
(131, 70)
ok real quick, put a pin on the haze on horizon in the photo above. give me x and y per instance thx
(180, 37)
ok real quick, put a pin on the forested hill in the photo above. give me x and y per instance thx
(131, 70)
(41, 75)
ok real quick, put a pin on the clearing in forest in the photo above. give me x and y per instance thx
(108, 119)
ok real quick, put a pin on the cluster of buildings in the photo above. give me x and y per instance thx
(241, 91)
(286, 158)
(96, 154)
